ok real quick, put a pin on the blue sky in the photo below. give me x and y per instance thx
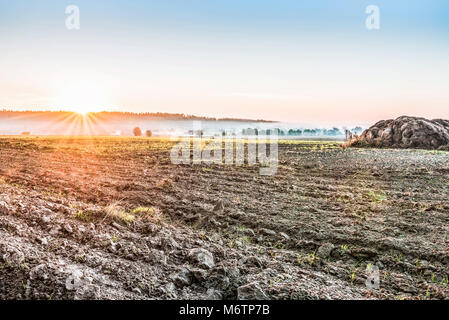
(311, 61)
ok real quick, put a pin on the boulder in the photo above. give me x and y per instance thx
(406, 132)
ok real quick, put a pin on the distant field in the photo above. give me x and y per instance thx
(118, 210)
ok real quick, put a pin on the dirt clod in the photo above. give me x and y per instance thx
(202, 257)
(251, 291)
(325, 250)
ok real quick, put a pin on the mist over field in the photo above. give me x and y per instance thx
(122, 124)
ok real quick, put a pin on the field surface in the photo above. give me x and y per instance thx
(113, 218)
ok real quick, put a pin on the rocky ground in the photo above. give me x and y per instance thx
(112, 218)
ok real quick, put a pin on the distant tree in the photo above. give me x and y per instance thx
(337, 131)
(137, 132)
(148, 133)
(357, 130)
(296, 132)
(25, 133)
(333, 132)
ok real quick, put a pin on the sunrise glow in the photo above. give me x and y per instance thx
(82, 99)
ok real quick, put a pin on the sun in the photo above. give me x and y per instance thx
(82, 99)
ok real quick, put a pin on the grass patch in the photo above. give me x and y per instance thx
(309, 258)
(86, 215)
(376, 196)
(116, 213)
(144, 211)
(148, 213)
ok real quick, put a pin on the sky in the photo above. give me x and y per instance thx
(288, 60)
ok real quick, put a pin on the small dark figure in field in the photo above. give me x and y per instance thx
(148, 133)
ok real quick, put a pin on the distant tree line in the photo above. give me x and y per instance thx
(119, 115)
(300, 132)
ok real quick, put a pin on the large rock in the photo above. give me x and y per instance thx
(406, 132)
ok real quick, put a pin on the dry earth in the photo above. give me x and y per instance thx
(112, 218)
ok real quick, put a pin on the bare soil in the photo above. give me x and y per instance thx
(113, 218)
